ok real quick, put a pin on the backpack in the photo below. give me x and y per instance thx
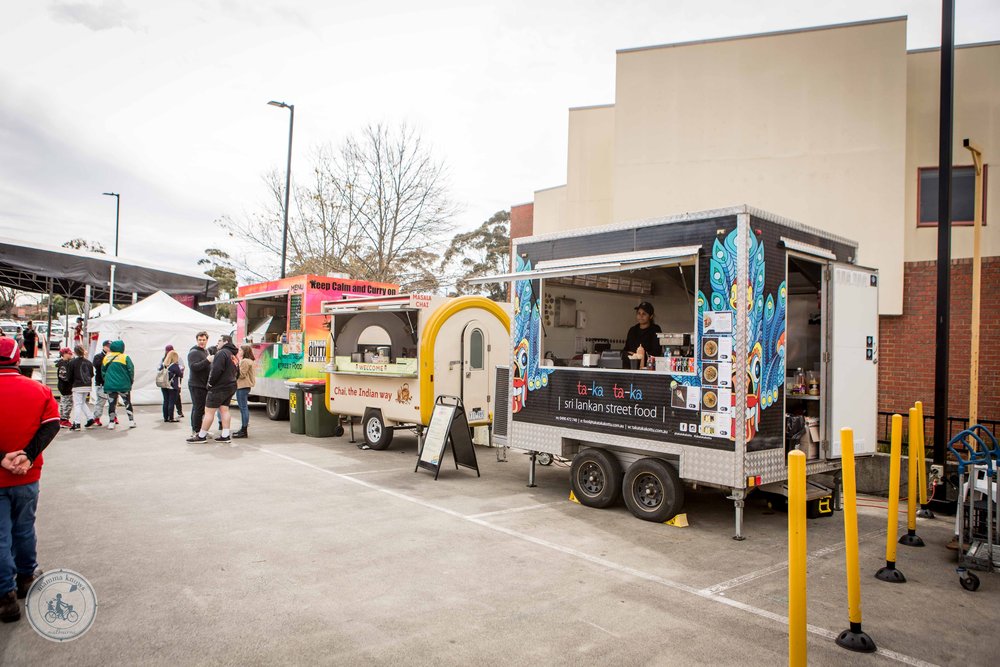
(163, 378)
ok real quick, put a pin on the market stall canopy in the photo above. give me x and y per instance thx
(147, 328)
(30, 267)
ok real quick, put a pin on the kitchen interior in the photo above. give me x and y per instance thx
(585, 318)
(804, 352)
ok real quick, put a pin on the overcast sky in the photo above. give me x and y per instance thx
(165, 102)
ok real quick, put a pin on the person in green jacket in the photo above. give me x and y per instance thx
(119, 374)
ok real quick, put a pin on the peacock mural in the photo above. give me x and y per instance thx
(525, 332)
(765, 347)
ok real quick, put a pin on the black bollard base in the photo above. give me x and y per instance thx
(856, 640)
(890, 574)
(911, 539)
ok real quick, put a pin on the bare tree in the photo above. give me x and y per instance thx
(377, 209)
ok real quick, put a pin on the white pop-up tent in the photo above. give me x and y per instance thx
(147, 328)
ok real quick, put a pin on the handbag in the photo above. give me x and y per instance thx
(163, 378)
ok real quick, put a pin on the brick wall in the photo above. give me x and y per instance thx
(906, 355)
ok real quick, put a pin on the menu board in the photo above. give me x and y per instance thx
(295, 312)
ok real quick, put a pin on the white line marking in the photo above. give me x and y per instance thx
(610, 565)
(778, 567)
(372, 472)
(513, 510)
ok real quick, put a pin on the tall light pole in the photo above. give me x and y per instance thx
(288, 180)
(118, 201)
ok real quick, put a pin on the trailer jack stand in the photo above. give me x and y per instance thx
(531, 471)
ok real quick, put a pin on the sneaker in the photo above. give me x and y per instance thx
(197, 438)
(111, 425)
(131, 423)
(223, 438)
(90, 422)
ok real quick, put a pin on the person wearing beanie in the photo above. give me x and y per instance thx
(119, 374)
(31, 420)
(102, 396)
(65, 385)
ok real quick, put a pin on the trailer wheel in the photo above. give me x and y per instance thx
(653, 490)
(377, 436)
(596, 478)
(277, 409)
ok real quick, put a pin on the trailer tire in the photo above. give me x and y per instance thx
(277, 409)
(653, 490)
(596, 478)
(377, 435)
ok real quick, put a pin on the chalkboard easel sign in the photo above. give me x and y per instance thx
(448, 424)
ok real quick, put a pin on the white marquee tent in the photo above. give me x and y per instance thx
(147, 328)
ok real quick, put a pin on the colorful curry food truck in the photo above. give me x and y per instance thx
(769, 342)
(282, 320)
(393, 356)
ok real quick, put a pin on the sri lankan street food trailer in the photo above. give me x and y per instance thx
(764, 322)
(282, 320)
(392, 356)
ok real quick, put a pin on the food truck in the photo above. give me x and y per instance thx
(764, 322)
(282, 320)
(392, 356)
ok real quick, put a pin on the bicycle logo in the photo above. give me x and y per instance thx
(61, 605)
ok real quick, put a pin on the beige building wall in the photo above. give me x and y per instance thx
(590, 166)
(976, 116)
(809, 125)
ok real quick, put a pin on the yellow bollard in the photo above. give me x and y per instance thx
(889, 573)
(796, 558)
(911, 539)
(924, 512)
(854, 638)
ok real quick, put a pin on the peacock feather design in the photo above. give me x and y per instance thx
(529, 375)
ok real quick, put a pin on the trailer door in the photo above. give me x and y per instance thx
(475, 376)
(852, 343)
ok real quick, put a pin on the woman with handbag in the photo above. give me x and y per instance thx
(245, 381)
(168, 379)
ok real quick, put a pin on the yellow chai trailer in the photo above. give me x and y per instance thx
(393, 355)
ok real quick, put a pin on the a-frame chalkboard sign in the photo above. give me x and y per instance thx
(448, 424)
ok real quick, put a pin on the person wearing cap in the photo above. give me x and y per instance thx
(30, 417)
(641, 338)
(64, 382)
(102, 396)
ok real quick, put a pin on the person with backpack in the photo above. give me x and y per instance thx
(102, 396)
(81, 373)
(221, 387)
(119, 374)
(245, 380)
(168, 379)
(65, 386)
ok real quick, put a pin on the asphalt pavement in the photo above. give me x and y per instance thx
(285, 549)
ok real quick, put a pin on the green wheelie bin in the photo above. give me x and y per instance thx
(296, 408)
(320, 423)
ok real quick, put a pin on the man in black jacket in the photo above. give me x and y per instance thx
(221, 387)
(199, 365)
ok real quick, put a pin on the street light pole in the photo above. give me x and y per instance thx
(118, 201)
(288, 180)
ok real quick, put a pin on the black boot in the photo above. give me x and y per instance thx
(242, 433)
(10, 610)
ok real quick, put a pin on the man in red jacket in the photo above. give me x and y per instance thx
(30, 417)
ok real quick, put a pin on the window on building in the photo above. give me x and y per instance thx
(963, 189)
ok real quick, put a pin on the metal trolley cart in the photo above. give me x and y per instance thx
(977, 474)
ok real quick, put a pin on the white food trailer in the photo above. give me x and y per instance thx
(392, 356)
(744, 299)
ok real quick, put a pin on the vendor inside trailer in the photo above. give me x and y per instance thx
(586, 319)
